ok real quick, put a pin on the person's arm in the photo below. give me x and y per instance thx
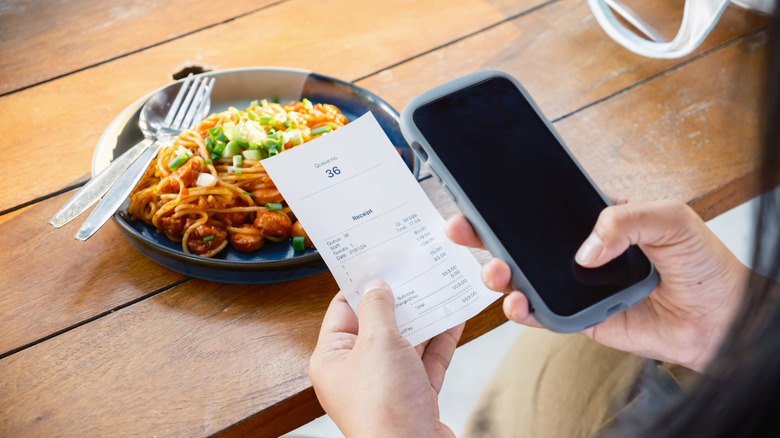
(685, 318)
(369, 379)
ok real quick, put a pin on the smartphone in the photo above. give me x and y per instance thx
(526, 196)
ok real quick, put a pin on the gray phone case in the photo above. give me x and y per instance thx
(588, 317)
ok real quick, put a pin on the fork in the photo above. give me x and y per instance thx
(182, 114)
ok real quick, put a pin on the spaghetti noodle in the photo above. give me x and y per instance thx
(208, 188)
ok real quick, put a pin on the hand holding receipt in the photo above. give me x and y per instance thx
(369, 218)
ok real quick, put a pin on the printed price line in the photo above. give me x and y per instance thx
(452, 272)
(427, 241)
(468, 297)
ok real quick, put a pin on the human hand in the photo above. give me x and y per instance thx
(369, 379)
(684, 319)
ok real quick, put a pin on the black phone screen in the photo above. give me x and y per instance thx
(528, 189)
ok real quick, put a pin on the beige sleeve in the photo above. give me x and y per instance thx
(556, 386)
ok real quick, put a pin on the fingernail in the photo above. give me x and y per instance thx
(376, 283)
(590, 250)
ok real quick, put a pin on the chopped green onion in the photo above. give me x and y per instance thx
(237, 171)
(273, 206)
(248, 193)
(214, 133)
(208, 238)
(209, 144)
(214, 156)
(270, 143)
(307, 104)
(178, 161)
(272, 152)
(321, 130)
(219, 147)
(251, 154)
(275, 99)
(266, 120)
(288, 124)
(207, 161)
(238, 160)
(299, 243)
(182, 150)
(231, 149)
(252, 116)
(252, 104)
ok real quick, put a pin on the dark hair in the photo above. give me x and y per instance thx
(739, 395)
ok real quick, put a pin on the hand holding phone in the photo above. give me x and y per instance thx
(525, 195)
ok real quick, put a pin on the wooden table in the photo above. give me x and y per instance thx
(96, 339)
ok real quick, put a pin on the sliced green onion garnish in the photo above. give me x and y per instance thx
(207, 161)
(214, 133)
(219, 147)
(273, 205)
(208, 238)
(252, 104)
(214, 156)
(252, 154)
(275, 99)
(269, 143)
(272, 152)
(307, 103)
(237, 171)
(299, 243)
(238, 160)
(248, 193)
(265, 120)
(178, 161)
(231, 149)
(321, 130)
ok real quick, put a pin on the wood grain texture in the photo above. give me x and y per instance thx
(357, 39)
(41, 40)
(691, 134)
(191, 361)
(51, 281)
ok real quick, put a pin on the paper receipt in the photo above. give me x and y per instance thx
(369, 218)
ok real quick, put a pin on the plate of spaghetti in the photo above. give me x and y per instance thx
(205, 206)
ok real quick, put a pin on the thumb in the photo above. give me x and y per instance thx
(376, 310)
(644, 224)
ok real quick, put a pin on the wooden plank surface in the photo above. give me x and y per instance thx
(51, 281)
(42, 40)
(69, 115)
(190, 361)
(691, 134)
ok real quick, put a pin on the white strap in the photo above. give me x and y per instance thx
(699, 17)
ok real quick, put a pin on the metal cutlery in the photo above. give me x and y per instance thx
(191, 104)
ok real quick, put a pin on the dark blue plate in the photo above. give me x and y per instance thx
(275, 262)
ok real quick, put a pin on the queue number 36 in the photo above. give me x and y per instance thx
(333, 171)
